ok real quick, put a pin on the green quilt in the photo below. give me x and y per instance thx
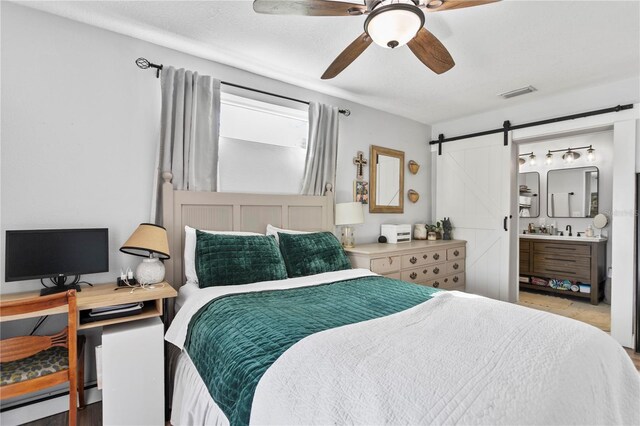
(234, 339)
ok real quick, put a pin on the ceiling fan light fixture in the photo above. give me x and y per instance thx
(393, 25)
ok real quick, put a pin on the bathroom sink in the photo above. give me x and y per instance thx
(562, 238)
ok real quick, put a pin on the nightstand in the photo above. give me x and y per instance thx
(438, 264)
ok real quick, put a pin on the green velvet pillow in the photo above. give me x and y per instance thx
(310, 254)
(232, 259)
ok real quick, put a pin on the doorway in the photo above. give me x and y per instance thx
(564, 182)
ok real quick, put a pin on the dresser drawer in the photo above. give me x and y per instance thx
(525, 265)
(423, 258)
(563, 249)
(455, 253)
(449, 282)
(561, 260)
(563, 272)
(418, 275)
(385, 265)
(454, 267)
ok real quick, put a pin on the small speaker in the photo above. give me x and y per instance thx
(382, 239)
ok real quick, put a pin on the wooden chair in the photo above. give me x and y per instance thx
(31, 363)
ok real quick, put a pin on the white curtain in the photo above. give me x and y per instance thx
(322, 149)
(188, 135)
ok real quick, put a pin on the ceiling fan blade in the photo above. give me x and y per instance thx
(458, 4)
(308, 7)
(431, 52)
(347, 56)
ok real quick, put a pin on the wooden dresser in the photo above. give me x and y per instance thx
(437, 264)
(577, 261)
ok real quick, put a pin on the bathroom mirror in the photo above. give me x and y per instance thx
(386, 180)
(572, 192)
(529, 188)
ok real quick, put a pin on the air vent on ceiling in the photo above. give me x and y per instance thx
(518, 92)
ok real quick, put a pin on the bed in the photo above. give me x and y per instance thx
(348, 346)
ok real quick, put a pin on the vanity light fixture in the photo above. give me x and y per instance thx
(532, 158)
(571, 154)
(549, 159)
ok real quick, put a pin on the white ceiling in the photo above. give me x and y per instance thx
(552, 45)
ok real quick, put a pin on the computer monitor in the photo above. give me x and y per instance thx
(55, 254)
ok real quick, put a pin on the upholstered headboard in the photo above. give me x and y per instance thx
(223, 211)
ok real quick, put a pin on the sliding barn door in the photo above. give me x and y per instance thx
(475, 187)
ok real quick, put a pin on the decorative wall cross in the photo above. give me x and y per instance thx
(360, 162)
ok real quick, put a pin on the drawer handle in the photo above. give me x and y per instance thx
(425, 271)
(456, 266)
(413, 276)
(390, 260)
(436, 284)
(436, 256)
(456, 279)
(456, 253)
(436, 270)
(413, 259)
(424, 256)
(446, 280)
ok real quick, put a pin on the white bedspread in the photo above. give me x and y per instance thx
(456, 359)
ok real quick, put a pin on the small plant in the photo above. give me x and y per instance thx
(437, 227)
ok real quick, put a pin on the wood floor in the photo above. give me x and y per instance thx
(91, 415)
(596, 315)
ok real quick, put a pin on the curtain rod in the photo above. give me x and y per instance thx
(144, 64)
(506, 126)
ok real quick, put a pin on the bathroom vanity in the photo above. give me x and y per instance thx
(578, 259)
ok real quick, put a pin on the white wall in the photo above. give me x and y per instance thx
(80, 126)
(603, 145)
(570, 102)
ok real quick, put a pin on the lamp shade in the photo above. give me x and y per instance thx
(349, 214)
(146, 240)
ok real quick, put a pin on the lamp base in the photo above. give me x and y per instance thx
(150, 271)
(348, 239)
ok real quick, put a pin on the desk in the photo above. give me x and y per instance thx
(131, 340)
(101, 295)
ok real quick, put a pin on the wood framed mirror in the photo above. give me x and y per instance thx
(386, 180)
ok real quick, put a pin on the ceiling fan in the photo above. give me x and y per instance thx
(389, 23)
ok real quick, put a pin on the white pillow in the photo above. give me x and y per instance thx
(272, 230)
(190, 249)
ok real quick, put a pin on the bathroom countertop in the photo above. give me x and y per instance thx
(563, 238)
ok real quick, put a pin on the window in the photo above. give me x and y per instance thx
(262, 145)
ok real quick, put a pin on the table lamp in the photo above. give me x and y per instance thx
(349, 214)
(149, 241)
